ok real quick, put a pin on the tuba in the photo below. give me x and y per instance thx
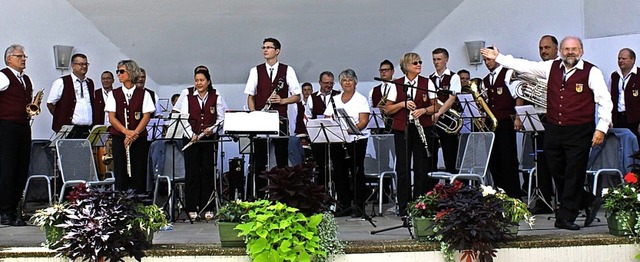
(33, 108)
(479, 123)
(451, 120)
(531, 89)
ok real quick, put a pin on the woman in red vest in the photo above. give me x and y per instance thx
(206, 112)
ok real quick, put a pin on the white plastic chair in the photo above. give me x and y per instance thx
(77, 166)
(475, 160)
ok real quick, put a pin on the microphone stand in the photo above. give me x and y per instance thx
(406, 222)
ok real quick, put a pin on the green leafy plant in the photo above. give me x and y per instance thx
(149, 218)
(277, 232)
(514, 209)
(295, 187)
(329, 242)
(232, 211)
(47, 219)
(425, 206)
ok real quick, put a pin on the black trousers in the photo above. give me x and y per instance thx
(449, 145)
(345, 168)
(281, 146)
(15, 151)
(407, 150)
(567, 149)
(139, 151)
(199, 166)
(320, 156)
(503, 163)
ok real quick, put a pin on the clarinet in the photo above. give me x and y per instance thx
(126, 147)
(280, 86)
(423, 137)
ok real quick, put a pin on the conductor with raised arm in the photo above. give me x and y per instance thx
(576, 90)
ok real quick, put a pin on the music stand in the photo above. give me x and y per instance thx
(531, 124)
(469, 108)
(155, 128)
(326, 131)
(376, 122)
(214, 194)
(61, 134)
(252, 124)
(178, 128)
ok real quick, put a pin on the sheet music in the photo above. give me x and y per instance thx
(470, 108)
(260, 122)
(96, 135)
(154, 128)
(177, 125)
(326, 130)
(530, 119)
(348, 122)
(375, 119)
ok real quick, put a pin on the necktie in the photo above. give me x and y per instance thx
(565, 74)
(128, 98)
(491, 77)
(271, 74)
(81, 89)
(386, 90)
(21, 81)
(412, 90)
(624, 81)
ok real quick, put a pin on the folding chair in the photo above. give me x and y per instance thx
(77, 166)
(168, 165)
(40, 168)
(375, 168)
(475, 160)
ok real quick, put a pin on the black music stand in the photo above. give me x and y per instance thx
(531, 124)
(177, 128)
(376, 122)
(326, 131)
(64, 131)
(469, 109)
(252, 124)
(215, 196)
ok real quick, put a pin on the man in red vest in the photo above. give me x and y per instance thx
(101, 96)
(71, 99)
(575, 89)
(16, 91)
(263, 80)
(625, 93)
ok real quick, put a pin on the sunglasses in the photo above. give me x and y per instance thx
(417, 62)
(121, 71)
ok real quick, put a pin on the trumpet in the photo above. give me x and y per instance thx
(480, 124)
(450, 122)
(278, 88)
(33, 108)
(531, 88)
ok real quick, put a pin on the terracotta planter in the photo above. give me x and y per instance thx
(618, 229)
(423, 227)
(229, 236)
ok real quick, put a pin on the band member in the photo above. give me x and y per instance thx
(445, 79)
(263, 81)
(625, 85)
(348, 159)
(16, 91)
(142, 80)
(178, 104)
(206, 112)
(129, 130)
(411, 110)
(320, 100)
(378, 94)
(71, 98)
(101, 95)
(503, 162)
(576, 89)
(465, 76)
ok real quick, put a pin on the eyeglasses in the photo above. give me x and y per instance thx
(327, 83)
(268, 47)
(120, 71)
(82, 64)
(417, 62)
(382, 70)
(21, 56)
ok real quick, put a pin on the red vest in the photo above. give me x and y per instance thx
(444, 84)
(14, 100)
(67, 103)
(318, 105)
(571, 104)
(202, 118)
(265, 88)
(98, 107)
(500, 101)
(300, 127)
(134, 109)
(421, 99)
(631, 97)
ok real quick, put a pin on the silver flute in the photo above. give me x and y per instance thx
(423, 137)
(200, 136)
(126, 147)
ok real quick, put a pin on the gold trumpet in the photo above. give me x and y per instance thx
(451, 120)
(33, 108)
(479, 123)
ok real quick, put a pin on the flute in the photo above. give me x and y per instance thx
(126, 147)
(200, 136)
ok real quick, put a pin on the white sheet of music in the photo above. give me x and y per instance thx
(532, 122)
(469, 105)
(176, 129)
(261, 122)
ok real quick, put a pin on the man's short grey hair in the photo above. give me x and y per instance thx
(348, 74)
(9, 51)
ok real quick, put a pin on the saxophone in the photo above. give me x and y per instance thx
(33, 108)
(421, 133)
(482, 107)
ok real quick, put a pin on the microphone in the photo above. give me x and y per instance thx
(445, 92)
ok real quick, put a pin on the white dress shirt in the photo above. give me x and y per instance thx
(82, 114)
(4, 81)
(292, 80)
(147, 103)
(622, 84)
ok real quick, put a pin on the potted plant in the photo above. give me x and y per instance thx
(423, 214)
(277, 232)
(514, 209)
(149, 218)
(470, 222)
(47, 219)
(621, 205)
(227, 218)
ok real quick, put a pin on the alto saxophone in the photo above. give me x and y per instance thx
(421, 133)
(33, 108)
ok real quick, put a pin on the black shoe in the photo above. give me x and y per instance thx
(564, 224)
(6, 219)
(19, 222)
(592, 211)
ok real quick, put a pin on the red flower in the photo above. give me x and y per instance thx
(631, 178)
